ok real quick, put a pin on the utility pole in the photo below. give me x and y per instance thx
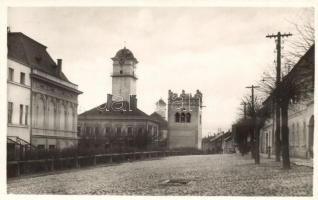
(277, 97)
(254, 134)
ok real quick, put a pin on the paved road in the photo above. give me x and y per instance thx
(189, 175)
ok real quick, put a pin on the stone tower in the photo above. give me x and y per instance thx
(185, 120)
(161, 108)
(124, 75)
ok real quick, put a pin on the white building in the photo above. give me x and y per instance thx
(42, 102)
(300, 116)
(18, 94)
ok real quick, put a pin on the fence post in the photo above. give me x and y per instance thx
(18, 169)
(76, 162)
(52, 165)
(122, 157)
(110, 159)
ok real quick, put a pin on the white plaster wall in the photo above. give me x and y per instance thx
(19, 94)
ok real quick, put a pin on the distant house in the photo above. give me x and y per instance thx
(163, 129)
(228, 144)
(42, 102)
(220, 143)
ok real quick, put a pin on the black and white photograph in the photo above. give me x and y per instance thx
(142, 100)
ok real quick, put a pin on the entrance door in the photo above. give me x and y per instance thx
(311, 136)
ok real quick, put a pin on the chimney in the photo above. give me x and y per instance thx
(59, 66)
(133, 102)
(109, 101)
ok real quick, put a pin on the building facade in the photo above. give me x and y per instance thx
(42, 102)
(18, 95)
(184, 120)
(119, 122)
(300, 114)
(160, 116)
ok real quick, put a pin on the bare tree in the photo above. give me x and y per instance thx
(302, 40)
(256, 119)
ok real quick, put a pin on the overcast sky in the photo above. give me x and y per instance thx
(219, 51)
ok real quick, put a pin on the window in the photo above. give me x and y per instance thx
(139, 131)
(51, 147)
(87, 131)
(26, 115)
(96, 131)
(304, 134)
(150, 130)
(155, 131)
(188, 118)
(177, 117)
(78, 131)
(118, 131)
(21, 114)
(10, 111)
(130, 130)
(22, 78)
(10, 74)
(41, 147)
(121, 71)
(107, 131)
(182, 117)
(200, 119)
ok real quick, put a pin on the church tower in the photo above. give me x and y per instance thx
(124, 76)
(161, 108)
(185, 120)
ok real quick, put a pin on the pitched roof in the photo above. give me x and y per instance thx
(32, 53)
(162, 122)
(100, 111)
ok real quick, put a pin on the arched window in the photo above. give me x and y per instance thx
(177, 117)
(304, 134)
(311, 135)
(182, 117)
(96, 131)
(297, 135)
(293, 135)
(40, 114)
(188, 118)
(69, 123)
(51, 115)
(62, 117)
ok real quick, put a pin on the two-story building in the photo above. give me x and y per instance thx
(42, 102)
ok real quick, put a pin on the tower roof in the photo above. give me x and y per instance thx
(124, 54)
(161, 102)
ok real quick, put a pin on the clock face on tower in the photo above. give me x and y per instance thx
(122, 61)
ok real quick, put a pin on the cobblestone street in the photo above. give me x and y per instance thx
(193, 175)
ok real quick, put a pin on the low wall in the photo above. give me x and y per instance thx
(18, 168)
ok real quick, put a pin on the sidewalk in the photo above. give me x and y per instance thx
(296, 161)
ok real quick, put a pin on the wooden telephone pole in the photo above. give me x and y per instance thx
(254, 134)
(277, 97)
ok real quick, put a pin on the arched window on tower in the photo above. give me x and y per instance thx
(182, 117)
(177, 117)
(188, 118)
